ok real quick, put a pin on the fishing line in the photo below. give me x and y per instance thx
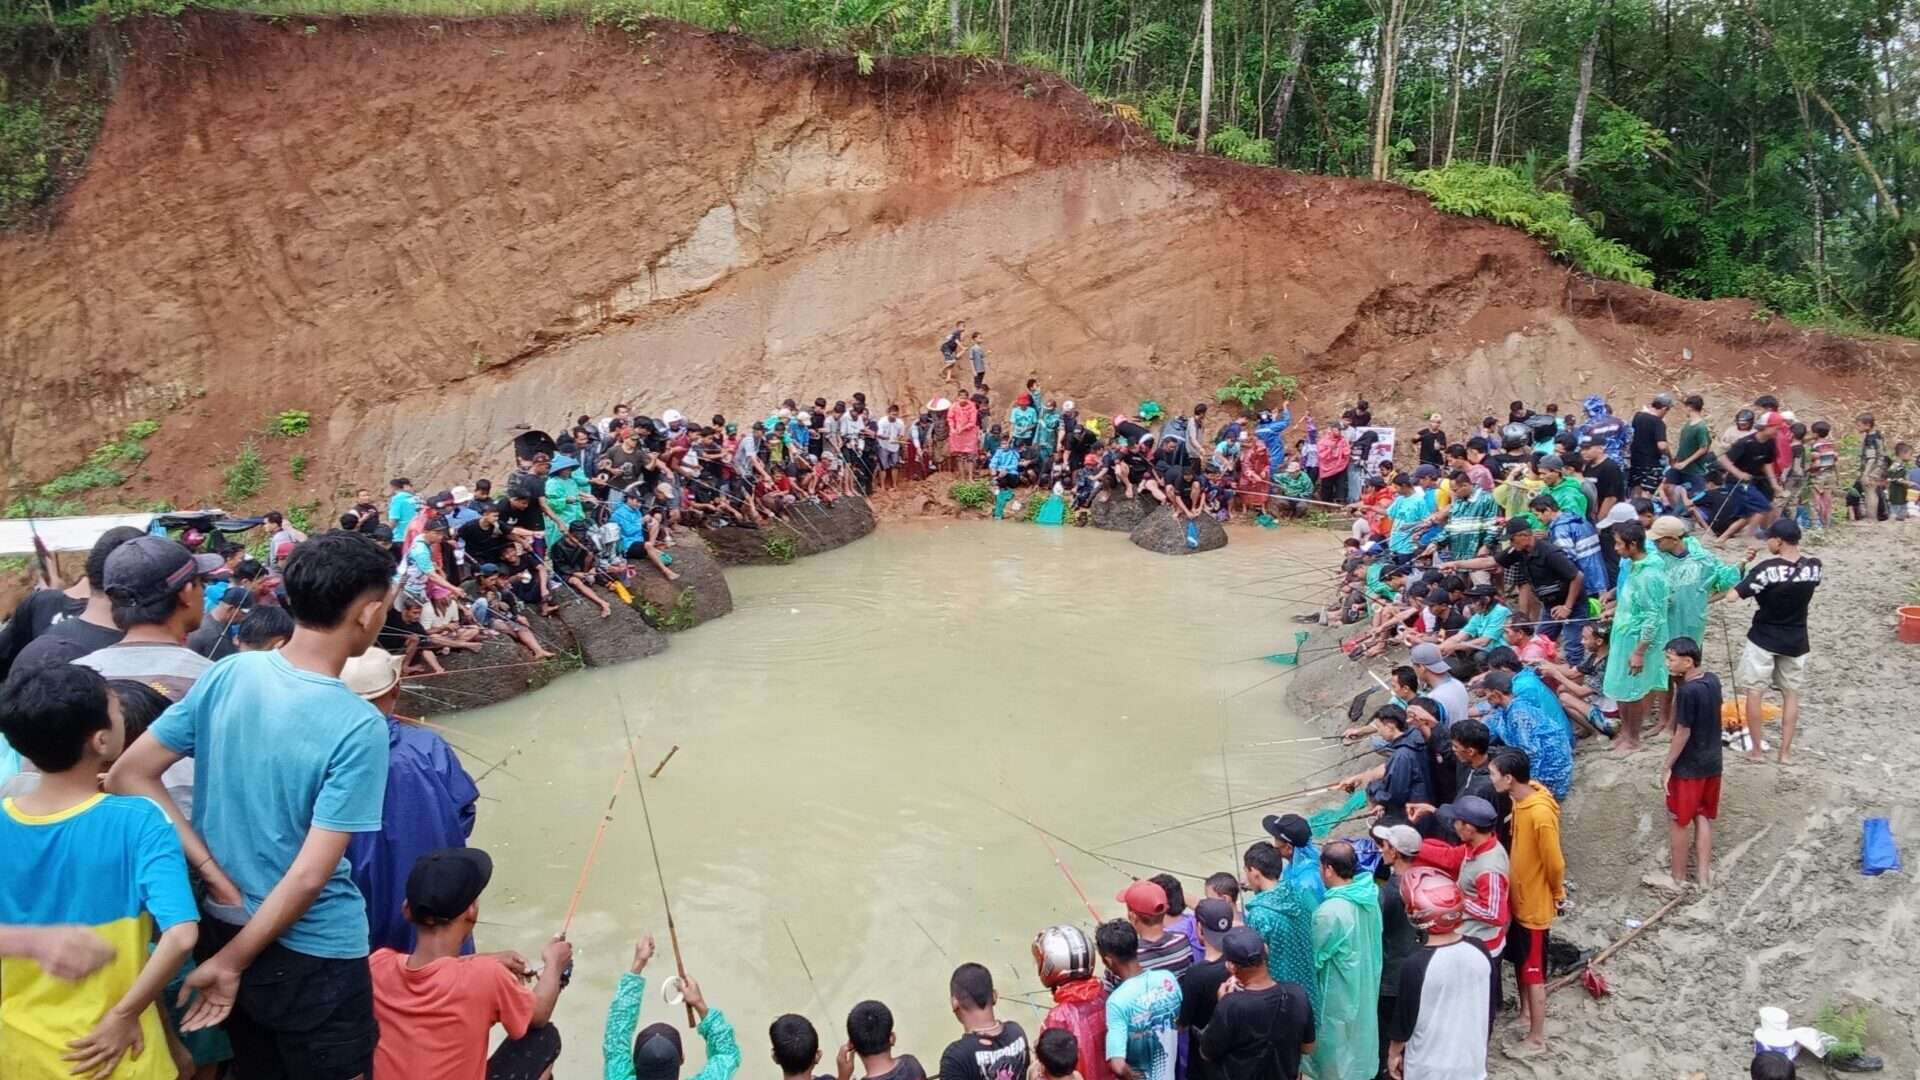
(1254, 805)
(646, 815)
(593, 850)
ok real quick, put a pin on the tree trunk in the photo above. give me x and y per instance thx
(1239, 61)
(1389, 72)
(1006, 28)
(1509, 47)
(1576, 131)
(1453, 109)
(1260, 84)
(1296, 53)
(953, 24)
(1206, 69)
(1180, 100)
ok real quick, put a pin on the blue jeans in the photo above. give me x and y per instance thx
(1355, 470)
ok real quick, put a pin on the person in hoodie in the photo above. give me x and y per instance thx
(431, 803)
(1405, 777)
(1605, 429)
(1271, 430)
(1347, 958)
(1064, 959)
(1537, 874)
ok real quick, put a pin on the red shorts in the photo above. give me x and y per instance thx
(1688, 799)
(1527, 952)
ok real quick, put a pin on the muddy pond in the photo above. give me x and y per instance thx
(851, 740)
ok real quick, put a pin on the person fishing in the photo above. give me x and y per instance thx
(1063, 958)
(655, 1053)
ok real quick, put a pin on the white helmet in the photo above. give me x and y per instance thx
(1063, 954)
(671, 417)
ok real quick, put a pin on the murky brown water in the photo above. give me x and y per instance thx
(844, 738)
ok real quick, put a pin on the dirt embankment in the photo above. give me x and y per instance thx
(429, 233)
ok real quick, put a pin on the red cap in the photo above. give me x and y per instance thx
(1144, 898)
(1772, 419)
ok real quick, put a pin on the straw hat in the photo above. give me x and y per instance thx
(372, 674)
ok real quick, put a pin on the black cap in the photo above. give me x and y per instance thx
(1516, 526)
(1785, 530)
(1215, 918)
(1426, 472)
(579, 525)
(444, 884)
(657, 1054)
(1243, 946)
(149, 567)
(1289, 827)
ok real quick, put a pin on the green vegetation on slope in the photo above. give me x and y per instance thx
(1760, 148)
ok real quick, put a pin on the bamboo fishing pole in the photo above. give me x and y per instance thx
(653, 845)
(593, 851)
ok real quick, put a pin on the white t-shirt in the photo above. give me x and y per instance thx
(891, 429)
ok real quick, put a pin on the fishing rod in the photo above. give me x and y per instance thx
(1106, 860)
(653, 845)
(805, 967)
(593, 851)
(1254, 805)
(1226, 774)
(1331, 650)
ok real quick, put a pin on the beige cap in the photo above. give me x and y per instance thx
(372, 673)
(1667, 527)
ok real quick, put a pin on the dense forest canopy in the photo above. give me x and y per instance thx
(1767, 149)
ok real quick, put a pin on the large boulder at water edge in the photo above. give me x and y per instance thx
(698, 595)
(808, 529)
(1113, 510)
(622, 637)
(1166, 533)
(501, 669)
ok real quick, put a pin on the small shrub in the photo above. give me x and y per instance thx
(142, 430)
(971, 494)
(41, 506)
(297, 466)
(1502, 195)
(677, 617)
(26, 173)
(85, 478)
(779, 548)
(300, 515)
(1262, 377)
(246, 476)
(1231, 142)
(292, 423)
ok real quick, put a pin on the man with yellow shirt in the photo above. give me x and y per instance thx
(1537, 872)
(76, 857)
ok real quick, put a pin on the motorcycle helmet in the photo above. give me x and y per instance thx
(1063, 954)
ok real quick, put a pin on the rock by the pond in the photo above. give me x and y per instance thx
(501, 669)
(1121, 514)
(698, 595)
(808, 529)
(1166, 533)
(617, 639)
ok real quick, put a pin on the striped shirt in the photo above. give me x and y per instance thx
(1471, 525)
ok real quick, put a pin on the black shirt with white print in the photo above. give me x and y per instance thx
(1783, 590)
(1000, 1056)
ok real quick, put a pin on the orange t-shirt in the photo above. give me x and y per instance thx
(435, 1020)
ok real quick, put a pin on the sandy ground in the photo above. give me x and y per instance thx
(1790, 920)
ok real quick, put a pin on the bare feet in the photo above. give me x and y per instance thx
(1624, 748)
(671, 576)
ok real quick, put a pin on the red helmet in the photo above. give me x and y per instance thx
(1090, 460)
(1433, 899)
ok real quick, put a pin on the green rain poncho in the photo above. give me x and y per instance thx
(1639, 614)
(1692, 580)
(1346, 967)
(1284, 919)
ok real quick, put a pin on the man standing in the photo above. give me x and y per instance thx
(430, 806)
(1686, 475)
(1261, 1028)
(1484, 875)
(1694, 577)
(71, 637)
(949, 351)
(1293, 839)
(1399, 844)
(1750, 459)
(1142, 1040)
(1200, 985)
(977, 356)
(1647, 447)
(1538, 876)
(1346, 965)
(1608, 478)
(1159, 949)
(1404, 779)
(285, 943)
(990, 1048)
(1693, 762)
(1064, 958)
(1282, 916)
(437, 1006)
(1873, 467)
(1432, 442)
(156, 587)
(1449, 990)
(1781, 588)
(1441, 686)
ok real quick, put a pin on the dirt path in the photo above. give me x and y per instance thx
(1790, 921)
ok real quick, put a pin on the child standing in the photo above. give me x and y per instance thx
(77, 857)
(1823, 470)
(1897, 481)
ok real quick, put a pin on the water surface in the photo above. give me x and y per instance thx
(846, 736)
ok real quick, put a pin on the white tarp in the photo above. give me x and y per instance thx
(63, 533)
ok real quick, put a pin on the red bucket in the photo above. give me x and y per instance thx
(1910, 624)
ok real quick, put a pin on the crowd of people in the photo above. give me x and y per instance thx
(227, 856)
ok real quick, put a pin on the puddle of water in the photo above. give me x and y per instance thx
(844, 737)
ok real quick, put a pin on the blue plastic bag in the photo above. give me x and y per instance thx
(1877, 853)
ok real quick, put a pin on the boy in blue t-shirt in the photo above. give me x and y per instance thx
(284, 960)
(76, 857)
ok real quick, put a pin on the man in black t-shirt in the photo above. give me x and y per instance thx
(1433, 442)
(1781, 587)
(1693, 760)
(1260, 1028)
(1200, 984)
(1647, 447)
(991, 1048)
(1750, 460)
(1609, 480)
